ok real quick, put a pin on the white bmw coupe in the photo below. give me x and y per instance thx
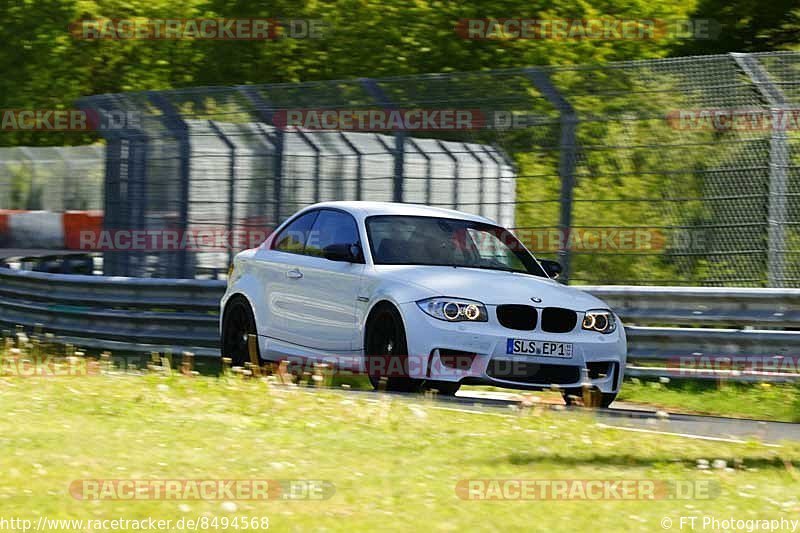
(414, 297)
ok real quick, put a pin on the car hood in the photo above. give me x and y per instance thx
(492, 287)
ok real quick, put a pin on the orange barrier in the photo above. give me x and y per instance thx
(76, 222)
(5, 226)
(18, 233)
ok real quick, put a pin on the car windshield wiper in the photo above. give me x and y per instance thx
(487, 267)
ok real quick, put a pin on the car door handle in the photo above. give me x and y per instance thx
(294, 274)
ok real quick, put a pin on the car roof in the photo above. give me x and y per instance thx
(362, 210)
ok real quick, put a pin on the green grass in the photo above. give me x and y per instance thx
(394, 463)
(764, 401)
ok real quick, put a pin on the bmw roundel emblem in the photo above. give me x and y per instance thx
(534, 299)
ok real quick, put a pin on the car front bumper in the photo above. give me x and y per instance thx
(475, 353)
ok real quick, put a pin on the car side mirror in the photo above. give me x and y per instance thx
(347, 253)
(552, 268)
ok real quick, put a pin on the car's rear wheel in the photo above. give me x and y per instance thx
(237, 325)
(571, 397)
(386, 351)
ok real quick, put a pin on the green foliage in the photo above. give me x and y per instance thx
(748, 26)
(47, 67)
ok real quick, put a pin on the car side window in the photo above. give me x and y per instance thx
(331, 227)
(294, 236)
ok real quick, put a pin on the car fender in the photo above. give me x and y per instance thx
(246, 284)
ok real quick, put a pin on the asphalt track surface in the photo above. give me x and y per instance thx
(626, 417)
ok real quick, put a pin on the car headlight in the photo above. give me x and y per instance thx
(599, 320)
(454, 309)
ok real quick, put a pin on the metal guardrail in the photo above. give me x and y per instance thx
(150, 314)
(702, 305)
(115, 313)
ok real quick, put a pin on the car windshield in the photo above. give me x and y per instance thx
(417, 240)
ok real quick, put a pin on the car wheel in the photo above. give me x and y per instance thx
(606, 398)
(386, 351)
(238, 324)
(444, 388)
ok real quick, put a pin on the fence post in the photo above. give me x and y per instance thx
(112, 201)
(482, 177)
(317, 163)
(31, 192)
(372, 88)
(456, 171)
(499, 166)
(231, 185)
(177, 127)
(566, 161)
(137, 197)
(778, 163)
(265, 114)
(116, 192)
(359, 164)
(428, 169)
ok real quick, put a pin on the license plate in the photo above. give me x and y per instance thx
(539, 348)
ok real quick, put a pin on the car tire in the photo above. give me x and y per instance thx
(238, 323)
(606, 398)
(386, 350)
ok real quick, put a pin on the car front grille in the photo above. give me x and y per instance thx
(513, 316)
(522, 372)
(558, 319)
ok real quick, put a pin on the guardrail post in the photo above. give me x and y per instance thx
(372, 88)
(778, 164)
(567, 159)
(177, 126)
(231, 185)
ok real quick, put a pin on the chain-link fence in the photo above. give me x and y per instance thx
(674, 171)
(58, 178)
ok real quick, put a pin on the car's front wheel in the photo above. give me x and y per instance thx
(386, 351)
(237, 325)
